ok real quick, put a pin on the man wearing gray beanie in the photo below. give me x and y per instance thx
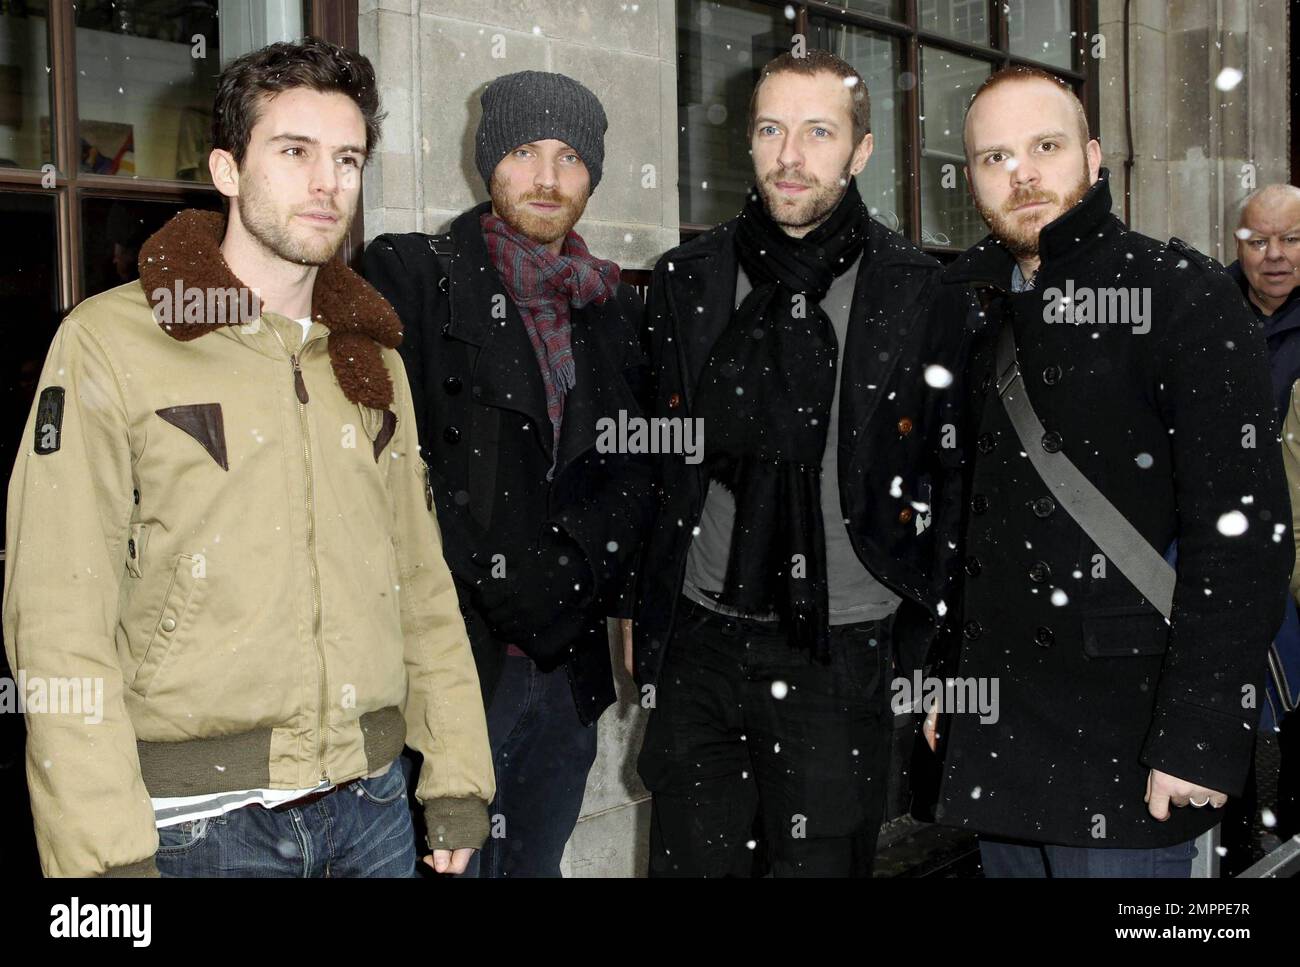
(519, 344)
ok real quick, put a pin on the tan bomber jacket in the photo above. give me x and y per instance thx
(235, 533)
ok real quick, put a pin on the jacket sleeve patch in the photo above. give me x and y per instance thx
(49, 420)
(204, 423)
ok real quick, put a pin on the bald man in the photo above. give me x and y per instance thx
(1268, 270)
(1118, 734)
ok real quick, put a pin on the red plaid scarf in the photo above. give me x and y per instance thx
(544, 287)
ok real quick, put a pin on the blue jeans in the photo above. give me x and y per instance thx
(1006, 858)
(363, 830)
(542, 753)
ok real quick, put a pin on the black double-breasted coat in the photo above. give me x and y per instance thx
(1167, 410)
(485, 434)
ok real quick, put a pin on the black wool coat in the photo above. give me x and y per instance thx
(1175, 425)
(485, 434)
(899, 466)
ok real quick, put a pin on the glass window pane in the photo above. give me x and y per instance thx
(146, 76)
(948, 81)
(113, 229)
(24, 84)
(721, 47)
(29, 293)
(883, 183)
(961, 19)
(1041, 29)
(893, 9)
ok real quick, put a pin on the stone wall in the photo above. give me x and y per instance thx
(1198, 149)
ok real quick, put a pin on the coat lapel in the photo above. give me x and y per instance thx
(600, 389)
(701, 296)
(484, 315)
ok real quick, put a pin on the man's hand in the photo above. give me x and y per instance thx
(625, 629)
(1162, 789)
(929, 729)
(447, 861)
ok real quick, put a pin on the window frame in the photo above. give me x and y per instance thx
(333, 20)
(1082, 76)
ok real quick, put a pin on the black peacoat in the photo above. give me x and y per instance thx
(486, 437)
(1167, 410)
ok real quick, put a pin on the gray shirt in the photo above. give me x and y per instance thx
(854, 594)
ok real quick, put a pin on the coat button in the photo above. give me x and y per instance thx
(1045, 637)
(979, 503)
(452, 385)
(905, 425)
(1052, 441)
(972, 630)
(451, 434)
(168, 624)
(446, 330)
(1039, 572)
(986, 383)
(130, 548)
(674, 401)
(905, 515)
(985, 443)
(973, 566)
(1043, 507)
(1052, 375)
(135, 495)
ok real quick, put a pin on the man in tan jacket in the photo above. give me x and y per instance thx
(221, 524)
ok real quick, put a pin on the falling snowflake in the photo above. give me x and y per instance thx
(937, 376)
(1232, 524)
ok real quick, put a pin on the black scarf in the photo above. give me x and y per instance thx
(765, 396)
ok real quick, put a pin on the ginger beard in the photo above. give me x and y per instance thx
(280, 232)
(811, 209)
(542, 228)
(1019, 232)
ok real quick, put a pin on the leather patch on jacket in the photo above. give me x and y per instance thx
(49, 420)
(385, 433)
(203, 422)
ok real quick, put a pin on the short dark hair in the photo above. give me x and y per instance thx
(813, 62)
(1014, 73)
(316, 64)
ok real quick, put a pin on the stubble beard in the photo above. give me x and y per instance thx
(266, 222)
(542, 229)
(1019, 234)
(810, 212)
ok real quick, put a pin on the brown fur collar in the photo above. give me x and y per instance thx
(359, 319)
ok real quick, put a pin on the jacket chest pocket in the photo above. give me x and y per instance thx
(378, 427)
(171, 623)
(1124, 633)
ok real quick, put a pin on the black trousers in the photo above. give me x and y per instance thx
(761, 760)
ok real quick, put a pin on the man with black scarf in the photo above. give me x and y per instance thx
(786, 575)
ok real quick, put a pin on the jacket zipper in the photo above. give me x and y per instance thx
(300, 391)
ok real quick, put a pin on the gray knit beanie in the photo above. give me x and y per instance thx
(534, 106)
